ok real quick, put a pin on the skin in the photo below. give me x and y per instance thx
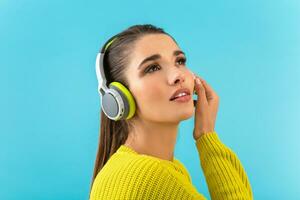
(157, 119)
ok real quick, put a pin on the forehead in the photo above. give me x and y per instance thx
(153, 44)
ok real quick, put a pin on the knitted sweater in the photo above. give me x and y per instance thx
(129, 175)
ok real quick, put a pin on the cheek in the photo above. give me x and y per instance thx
(150, 97)
(152, 103)
(151, 94)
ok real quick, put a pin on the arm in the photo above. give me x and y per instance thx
(224, 173)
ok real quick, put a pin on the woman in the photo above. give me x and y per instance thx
(135, 158)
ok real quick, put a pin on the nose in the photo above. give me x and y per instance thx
(177, 78)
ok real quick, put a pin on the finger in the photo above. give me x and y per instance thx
(210, 93)
(207, 87)
(200, 90)
(194, 76)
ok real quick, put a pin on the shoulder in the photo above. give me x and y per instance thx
(183, 169)
(140, 177)
(133, 167)
(126, 177)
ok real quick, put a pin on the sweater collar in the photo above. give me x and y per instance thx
(175, 164)
(127, 149)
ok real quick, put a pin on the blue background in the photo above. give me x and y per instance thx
(247, 50)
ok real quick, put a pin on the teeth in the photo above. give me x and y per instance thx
(181, 94)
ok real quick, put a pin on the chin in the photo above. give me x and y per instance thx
(184, 114)
(187, 116)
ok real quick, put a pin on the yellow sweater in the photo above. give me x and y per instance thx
(129, 175)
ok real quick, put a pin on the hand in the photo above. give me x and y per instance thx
(206, 108)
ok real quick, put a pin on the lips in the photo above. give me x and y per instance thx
(177, 92)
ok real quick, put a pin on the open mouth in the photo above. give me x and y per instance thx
(181, 98)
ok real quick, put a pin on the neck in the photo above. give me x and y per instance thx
(153, 138)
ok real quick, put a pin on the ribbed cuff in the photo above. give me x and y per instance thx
(210, 143)
(208, 135)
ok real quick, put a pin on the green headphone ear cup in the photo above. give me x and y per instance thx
(129, 100)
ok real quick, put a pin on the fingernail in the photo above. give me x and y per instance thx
(198, 81)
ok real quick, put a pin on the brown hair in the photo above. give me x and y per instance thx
(114, 133)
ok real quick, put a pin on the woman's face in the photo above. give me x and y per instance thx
(153, 82)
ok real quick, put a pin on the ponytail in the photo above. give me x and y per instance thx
(112, 135)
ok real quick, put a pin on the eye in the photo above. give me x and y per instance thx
(183, 60)
(148, 70)
(155, 66)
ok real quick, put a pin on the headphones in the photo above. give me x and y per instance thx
(117, 101)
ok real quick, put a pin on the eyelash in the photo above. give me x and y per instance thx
(155, 65)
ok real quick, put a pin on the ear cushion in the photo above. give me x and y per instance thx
(127, 97)
(125, 109)
(110, 105)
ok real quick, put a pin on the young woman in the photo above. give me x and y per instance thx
(135, 158)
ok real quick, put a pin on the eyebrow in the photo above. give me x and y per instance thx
(158, 56)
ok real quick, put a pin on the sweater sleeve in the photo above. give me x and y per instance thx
(223, 171)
